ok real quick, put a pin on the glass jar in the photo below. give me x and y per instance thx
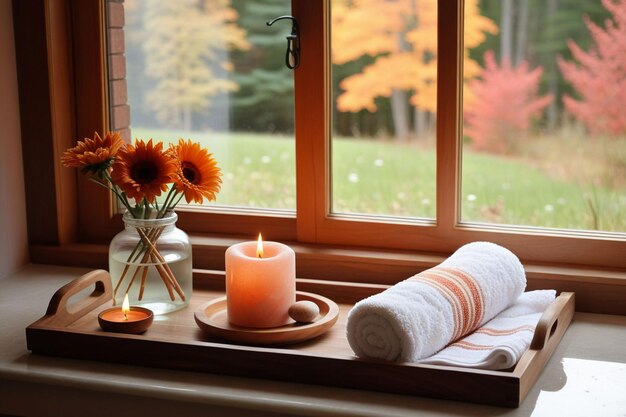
(150, 260)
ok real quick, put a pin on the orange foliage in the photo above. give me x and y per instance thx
(599, 76)
(401, 35)
(505, 102)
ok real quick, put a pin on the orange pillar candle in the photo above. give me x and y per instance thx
(260, 283)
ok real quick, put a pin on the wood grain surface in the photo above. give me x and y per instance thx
(175, 341)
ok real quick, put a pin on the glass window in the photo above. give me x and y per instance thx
(538, 148)
(544, 127)
(384, 65)
(213, 72)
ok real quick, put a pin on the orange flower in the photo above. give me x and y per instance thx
(198, 175)
(143, 170)
(93, 155)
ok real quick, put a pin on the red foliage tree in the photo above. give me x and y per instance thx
(600, 76)
(501, 104)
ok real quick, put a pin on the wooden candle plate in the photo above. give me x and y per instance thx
(212, 318)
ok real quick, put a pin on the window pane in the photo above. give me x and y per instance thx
(384, 56)
(544, 126)
(213, 72)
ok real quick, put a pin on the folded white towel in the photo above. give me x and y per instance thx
(419, 316)
(500, 343)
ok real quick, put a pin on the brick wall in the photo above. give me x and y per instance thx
(119, 111)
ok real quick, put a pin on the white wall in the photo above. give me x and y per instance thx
(13, 238)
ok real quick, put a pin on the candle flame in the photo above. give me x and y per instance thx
(259, 247)
(125, 306)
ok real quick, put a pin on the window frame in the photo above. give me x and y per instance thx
(92, 110)
(316, 222)
(329, 246)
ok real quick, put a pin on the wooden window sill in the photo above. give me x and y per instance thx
(598, 290)
(590, 355)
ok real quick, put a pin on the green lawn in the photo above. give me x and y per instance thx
(513, 192)
(379, 177)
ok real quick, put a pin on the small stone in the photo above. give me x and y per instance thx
(304, 311)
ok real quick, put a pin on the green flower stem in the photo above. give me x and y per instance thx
(164, 208)
(122, 197)
(177, 201)
(146, 208)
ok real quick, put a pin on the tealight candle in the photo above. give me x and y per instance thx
(126, 319)
(260, 283)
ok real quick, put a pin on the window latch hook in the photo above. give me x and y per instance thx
(292, 55)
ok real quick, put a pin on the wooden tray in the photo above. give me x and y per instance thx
(176, 342)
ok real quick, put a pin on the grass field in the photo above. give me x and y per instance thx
(377, 177)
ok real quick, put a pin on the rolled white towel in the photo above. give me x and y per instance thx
(419, 316)
(500, 343)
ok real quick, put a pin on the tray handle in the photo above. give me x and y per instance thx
(549, 321)
(58, 312)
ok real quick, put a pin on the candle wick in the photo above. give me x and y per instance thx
(259, 255)
(125, 317)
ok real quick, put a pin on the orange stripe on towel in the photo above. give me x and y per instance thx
(462, 292)
(471, 346)
(476, 294)
(504, 332)
(432, 279)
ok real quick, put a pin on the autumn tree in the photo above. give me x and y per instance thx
(400, 36)
(504, 102)
(264, 80)
(599, 76)
(185, 50)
